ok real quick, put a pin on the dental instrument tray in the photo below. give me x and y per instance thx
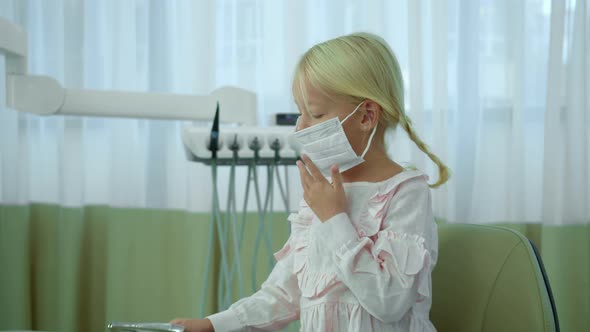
(240, 146)
(145, 327)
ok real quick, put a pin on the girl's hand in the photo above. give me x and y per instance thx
(324, 198)
(194, 325)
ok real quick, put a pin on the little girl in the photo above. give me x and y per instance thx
(363, 245)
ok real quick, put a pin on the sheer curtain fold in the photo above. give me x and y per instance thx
(470, 191)
(498, 90)
(566, 149)
(440, 100)
(515, 161)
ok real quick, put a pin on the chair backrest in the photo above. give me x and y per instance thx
(488, 279)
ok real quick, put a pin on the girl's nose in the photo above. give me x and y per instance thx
(301, 124)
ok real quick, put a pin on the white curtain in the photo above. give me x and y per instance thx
(498, 88)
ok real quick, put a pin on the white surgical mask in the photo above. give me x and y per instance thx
(326, 144)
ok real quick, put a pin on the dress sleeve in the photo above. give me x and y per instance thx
(389, 271)
(269, 309)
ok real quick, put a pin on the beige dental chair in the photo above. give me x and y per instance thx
(490, 279)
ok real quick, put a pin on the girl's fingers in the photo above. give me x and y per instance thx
(336, 178)
(304, 175)
(315, 172)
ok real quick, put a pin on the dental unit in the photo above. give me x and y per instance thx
(242, 144)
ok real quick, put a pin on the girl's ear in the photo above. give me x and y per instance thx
(371, 114)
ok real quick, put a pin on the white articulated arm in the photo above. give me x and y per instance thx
(13, 44)
(45, 96)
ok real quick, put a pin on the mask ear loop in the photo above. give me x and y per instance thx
(372, 133)
(351, 113)
(370, 139)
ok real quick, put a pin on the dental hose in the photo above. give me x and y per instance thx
(224, 273)
(231, 210)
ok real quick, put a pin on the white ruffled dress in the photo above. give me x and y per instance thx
(368, 270)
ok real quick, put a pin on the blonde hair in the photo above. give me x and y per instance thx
(362, 66)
